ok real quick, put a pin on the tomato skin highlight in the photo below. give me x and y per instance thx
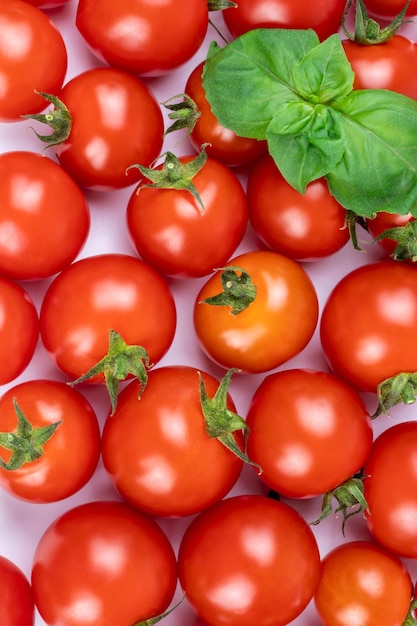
(101, 293)
(45, 218)
(58, 473)
(224, 144)
(105, 561)
(304, 227)
(17, 607)
(309, 431)
(276, 326)
(141, 37)
(360, 580)
(174, 234)
(248, 560)
(116, 122)
(324, 16)
(168, 465)
(367, 328)
(30, 40)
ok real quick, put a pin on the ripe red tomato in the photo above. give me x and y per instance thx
(390, 8)
(17, 607)
(368, 324)
(103, 563)
(224, 144)
(274, 327)
(390, 488)
(101, 293)
(142, 37)
(29, 40)
(390, 65)
(116, 122)
(19, 330)
(44, 220)
(248, 560)
(385, 221)
(59, 471)
(361, 583)
(171, 231)
(302, 226)
(167, 436)
(297, 419)
(324, 16)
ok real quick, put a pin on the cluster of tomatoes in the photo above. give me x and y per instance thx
(199, 365)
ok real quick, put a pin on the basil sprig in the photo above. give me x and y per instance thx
(287, 87)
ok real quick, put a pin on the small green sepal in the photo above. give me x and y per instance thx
(220, 5)
(350, 498)
(220, 422)
(121, 360)
(26, 443)
(401, 388)
(58, 119)
(238, 290)
(367, 31)
(184, 113)
(409, 619)
(158, 618)
(405, 238)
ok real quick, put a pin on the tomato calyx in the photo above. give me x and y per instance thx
(368, 31)
(350, 498)
(220, 5)
(174, 174)
(185, 113)
(121, 360)
(409, 619)
(406, 241)
(59, 119)
(26, 442)
(401, 388)
(238, 290)
(220, 422)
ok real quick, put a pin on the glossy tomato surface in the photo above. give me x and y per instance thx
(390, 487)
(248, 560)
(309, 432)
(101, 293)
(116, 122)
(60, 471)
(324, 16)
(17, 607)
(19, 330)
(304, 227)
(390, 8)
(29, 41)
(104, 563)
(361, 582)
(368, 325)
(168, 465)
(142, 37)
(276, 325)
(171, 231)
(223, 143)
(390, 65)
(45, 218)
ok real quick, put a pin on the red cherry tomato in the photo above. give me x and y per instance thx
(368, 324)
(19, 330)
(390, 488)
(324, 16)
(142, 37)
(103, 563)
(362, 583)
(302, 226)
(384, 221)
(101, 293)
(390, 65)
(17, 607)
(275, 326)
(29, 40)
(59, 471)
(223, 143)
(298, 420)
(44, 220)
(390, 8)
(171, 231)
(248, 560)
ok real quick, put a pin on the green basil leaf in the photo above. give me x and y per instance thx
(306, 141)
(325, 74)
(378, 171)
(248, 80)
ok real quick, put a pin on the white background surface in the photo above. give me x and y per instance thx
(21, 524)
